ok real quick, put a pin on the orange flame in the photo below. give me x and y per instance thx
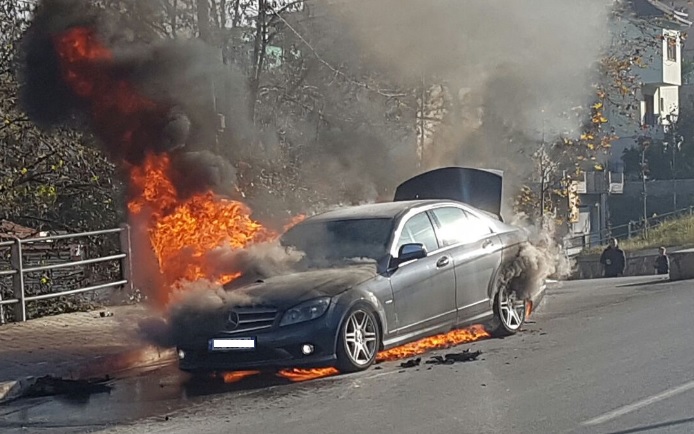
(182, 231)
(122, 116)
(298, 375)
(446, 340)
(236, 376)
(294, 221)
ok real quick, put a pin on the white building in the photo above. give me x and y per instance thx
(654, 34)
(651, 33)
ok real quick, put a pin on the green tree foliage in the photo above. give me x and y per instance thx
(51, 180)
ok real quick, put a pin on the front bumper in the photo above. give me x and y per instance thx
(275, 349)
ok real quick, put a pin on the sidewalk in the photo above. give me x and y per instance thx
(75, 346)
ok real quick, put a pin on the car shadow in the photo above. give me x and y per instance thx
(206, 385)
(646, 284)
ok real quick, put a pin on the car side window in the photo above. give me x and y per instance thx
(419, 229)
(477, 228)
(453, 223)
(458, 226)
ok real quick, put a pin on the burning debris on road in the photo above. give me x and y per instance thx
(446, 340)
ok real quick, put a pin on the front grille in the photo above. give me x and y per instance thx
(248, 319)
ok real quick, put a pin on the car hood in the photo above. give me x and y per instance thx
(287, 290)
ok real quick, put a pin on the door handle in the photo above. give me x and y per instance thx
(442, 262)
(487, 243)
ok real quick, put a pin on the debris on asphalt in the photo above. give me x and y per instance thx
(105, 314)
(52, 386)
(411, 363)
(451, 358)
(448, 359)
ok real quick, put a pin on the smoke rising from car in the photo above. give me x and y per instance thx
(164, 100)
(541, 259)
(500, 75)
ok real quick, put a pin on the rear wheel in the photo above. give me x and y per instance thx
(358, 341)
(509, 312)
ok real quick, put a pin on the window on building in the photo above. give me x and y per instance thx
(672, 49)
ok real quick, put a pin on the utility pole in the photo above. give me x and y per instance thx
(421, 121)
(644, 191)
(542, 172)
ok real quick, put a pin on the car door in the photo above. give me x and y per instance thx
(476, 253)
(423, 290)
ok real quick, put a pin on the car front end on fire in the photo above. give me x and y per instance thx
(264, 337)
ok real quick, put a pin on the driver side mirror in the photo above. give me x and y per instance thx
(410, 252)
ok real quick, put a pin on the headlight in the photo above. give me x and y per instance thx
(306, 311)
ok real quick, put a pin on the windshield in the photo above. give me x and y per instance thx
(339, 240)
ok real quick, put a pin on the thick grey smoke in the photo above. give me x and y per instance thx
(511, 70)
(167, 85)
(537, 261)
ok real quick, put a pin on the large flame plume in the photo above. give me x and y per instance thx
(182, 229)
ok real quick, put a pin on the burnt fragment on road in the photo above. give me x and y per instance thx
(451, 358)
(448, 359)
(411, 363)
(54, 386)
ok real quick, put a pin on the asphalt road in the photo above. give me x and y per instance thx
(602, 356)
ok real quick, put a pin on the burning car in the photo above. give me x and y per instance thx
(378, 276)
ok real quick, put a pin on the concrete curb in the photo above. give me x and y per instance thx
(94, 368)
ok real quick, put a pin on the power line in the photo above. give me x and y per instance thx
(328, 65)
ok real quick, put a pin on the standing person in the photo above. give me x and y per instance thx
(613, 259)
(662, 262)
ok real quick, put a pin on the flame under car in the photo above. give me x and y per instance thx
(374, 277)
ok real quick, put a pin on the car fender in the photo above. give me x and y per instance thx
(509, 254)
(349, 299)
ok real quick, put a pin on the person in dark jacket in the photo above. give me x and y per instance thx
(613, 259)
(662, 262)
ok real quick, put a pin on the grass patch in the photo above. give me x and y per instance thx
(678, 232)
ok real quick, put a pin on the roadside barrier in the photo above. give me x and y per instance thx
(20, 267)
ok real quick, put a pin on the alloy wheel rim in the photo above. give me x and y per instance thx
(360, 338)
(511, 309)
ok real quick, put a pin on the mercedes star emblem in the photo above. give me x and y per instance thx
(233, 320)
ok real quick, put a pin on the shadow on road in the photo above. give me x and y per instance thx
(198, 385)
(655, 426)
(646, 284)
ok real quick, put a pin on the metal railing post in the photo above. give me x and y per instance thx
(126, 264)
(20, 308)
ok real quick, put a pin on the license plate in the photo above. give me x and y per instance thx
(232, 344)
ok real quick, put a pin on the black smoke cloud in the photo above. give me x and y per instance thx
(176, 75)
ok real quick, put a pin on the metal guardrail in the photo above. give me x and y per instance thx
(621, 232)
(18, 270)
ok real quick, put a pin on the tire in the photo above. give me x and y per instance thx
(358, 341)
(509, 313)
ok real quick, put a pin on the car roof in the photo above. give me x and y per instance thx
(387, 210)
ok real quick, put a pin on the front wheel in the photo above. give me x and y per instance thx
(358, 341)
(509, 313)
